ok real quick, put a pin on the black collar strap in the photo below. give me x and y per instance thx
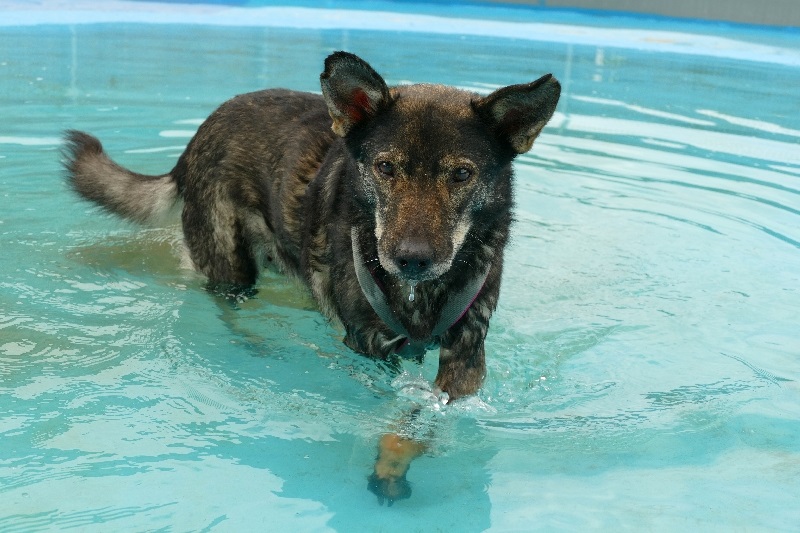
(453, 311)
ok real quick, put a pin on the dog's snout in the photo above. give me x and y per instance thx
(414, 257)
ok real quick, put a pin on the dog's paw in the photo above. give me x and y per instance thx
(389, 489)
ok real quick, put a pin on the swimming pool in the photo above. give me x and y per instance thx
(643, 362)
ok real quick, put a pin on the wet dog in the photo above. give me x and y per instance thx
(392, 204)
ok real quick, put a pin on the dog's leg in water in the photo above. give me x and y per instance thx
(388, 480)
(457, 376)
(461, 376)
(462, 368)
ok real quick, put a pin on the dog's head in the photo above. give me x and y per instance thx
(433, 161)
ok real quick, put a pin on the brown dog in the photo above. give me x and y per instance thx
(392, 205)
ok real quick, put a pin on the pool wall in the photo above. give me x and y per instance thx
(764, 12)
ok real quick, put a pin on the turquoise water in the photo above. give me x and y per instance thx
(643, 363)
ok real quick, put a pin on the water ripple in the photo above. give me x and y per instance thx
(619, 171)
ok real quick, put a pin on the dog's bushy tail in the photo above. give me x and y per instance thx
(94, 176)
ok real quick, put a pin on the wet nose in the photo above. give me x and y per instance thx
(414, 257)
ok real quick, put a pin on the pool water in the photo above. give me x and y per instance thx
(643, 364)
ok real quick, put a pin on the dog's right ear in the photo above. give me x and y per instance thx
(353, 91)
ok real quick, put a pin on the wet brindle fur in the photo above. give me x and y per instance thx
(420, 175)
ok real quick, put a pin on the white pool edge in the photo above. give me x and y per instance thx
(60, 12)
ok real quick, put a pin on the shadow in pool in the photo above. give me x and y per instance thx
(150, 252)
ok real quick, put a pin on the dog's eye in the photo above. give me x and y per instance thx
(461, 174)
(385, 168)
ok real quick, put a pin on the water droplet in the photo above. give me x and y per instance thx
(411, 294)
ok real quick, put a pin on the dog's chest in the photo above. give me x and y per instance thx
(421, 315)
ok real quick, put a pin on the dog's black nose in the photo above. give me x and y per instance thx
(414, 257)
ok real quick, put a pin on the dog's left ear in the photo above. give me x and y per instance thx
(352, 89)
(517, 113)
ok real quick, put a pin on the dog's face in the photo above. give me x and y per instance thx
(433, 160)
(427, 166)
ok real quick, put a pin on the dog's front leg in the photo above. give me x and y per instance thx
(462, 367)
(462, 359)
(458, 376)
(388, 479)
(461, 373)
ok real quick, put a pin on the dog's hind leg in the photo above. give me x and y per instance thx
(224, 240)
